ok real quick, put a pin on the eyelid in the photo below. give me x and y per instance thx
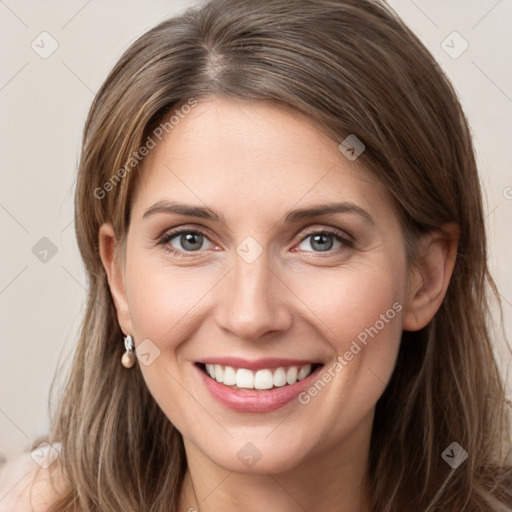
(184, 227)
(327, 229)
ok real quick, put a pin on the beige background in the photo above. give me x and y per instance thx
(43, 104)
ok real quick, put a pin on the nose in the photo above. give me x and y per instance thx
(253, 301)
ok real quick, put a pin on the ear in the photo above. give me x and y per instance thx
(429, 279)
(114, 268)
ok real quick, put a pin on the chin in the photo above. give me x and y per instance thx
(257, 457)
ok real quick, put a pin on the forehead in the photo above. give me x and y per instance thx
(255, 155)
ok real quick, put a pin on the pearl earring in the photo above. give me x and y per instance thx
(128, 359)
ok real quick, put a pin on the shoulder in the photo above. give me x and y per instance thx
(31, 482)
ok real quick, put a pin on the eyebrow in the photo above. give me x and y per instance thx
(203, 212)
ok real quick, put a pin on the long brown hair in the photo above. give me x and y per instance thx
(353, 68)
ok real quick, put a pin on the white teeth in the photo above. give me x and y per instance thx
(229, 376)
(291, 375)
(304, 372)
(244, 378)
(219, 373)
(261, 379)
(279, 377)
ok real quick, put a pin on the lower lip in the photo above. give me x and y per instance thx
(250, 400)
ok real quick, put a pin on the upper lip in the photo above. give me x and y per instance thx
(257, 364)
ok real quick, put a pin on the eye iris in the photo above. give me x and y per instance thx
(321, 239)
(194, 239)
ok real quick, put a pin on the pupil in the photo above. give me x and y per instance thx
(191, 239)
(323, 246)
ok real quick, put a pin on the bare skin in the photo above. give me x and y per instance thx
(25, 486)
(254, 162)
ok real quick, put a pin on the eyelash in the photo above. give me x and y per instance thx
(165, 239)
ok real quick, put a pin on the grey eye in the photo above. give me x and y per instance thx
(320, 242)
(188, 241)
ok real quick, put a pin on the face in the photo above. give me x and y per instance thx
(232, 268)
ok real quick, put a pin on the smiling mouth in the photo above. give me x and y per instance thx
(260, 380)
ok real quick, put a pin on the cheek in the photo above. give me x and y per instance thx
(161, 298)
(347, 301)
(359, 315)
(357, 310)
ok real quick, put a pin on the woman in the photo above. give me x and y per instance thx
(280, 216)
